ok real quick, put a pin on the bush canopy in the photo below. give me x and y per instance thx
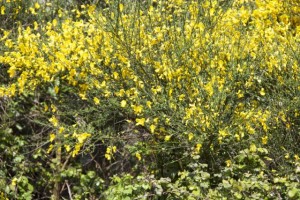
(152, 99)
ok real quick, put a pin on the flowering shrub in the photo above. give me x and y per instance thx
(154, 89)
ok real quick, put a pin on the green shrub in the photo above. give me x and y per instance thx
(156, 99)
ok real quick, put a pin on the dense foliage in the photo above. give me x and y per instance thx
(154, 99)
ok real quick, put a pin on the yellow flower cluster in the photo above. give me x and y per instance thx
(61, 137)
(81, 138)
(195, 63)
(110, 150)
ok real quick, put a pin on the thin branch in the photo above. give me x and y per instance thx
(69, 190)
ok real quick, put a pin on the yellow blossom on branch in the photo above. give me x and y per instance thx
(54, 121)
(197, 148)
(76, 149)
(262, 92)
(67, 147)
(123, 103)
(264, 139)
(140, 121)
(190, 136)
(82, 137)
(96, 101)
(138, 156)
(137, 109)
(152, 128)
(52, 137)
(168, 137)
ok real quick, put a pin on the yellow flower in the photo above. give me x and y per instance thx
(53, 107)
(168, 121)
(121, 6)
(56, 89)
(137, 109)
(223, 133)
(83, 96)
(170, 92)
(240, 94)
(67, 147)
(2, 10)
(168, 137)
(37, 5)
(152, 128)
(54, 121)
(114, 149)
(138, 156)
(8, 43)
(96, 101)
(32, 10)
(5, 35)
(209, 88)
(108, 150)
(116, 75)
(52, 137)
(264, 140)
(287, 156)
(61, 129)
(190, 136)
(108, 156)
(82, 137)
(140, 121)
(76, 150)
(197, 148)
(262, 92)
(14, 181)
(123, 103)
(228, 163)
(46, 107)
(149, 103)
(181, 97)
(50, 148)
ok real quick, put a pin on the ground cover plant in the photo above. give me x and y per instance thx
(154, 99)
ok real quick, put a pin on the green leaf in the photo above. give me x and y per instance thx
(279, 180)
(226, 184)
(127, 191)
(293, 192)
(24, 180)
(241, 157)
(262, 150)
(30, 187)
(253, 148)
(18, 159)
(238, 195)
(204, 185)
(205, 175)
(91, 174)
(19, 127)
(196, 192)
(158, 190)
(145, 186)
